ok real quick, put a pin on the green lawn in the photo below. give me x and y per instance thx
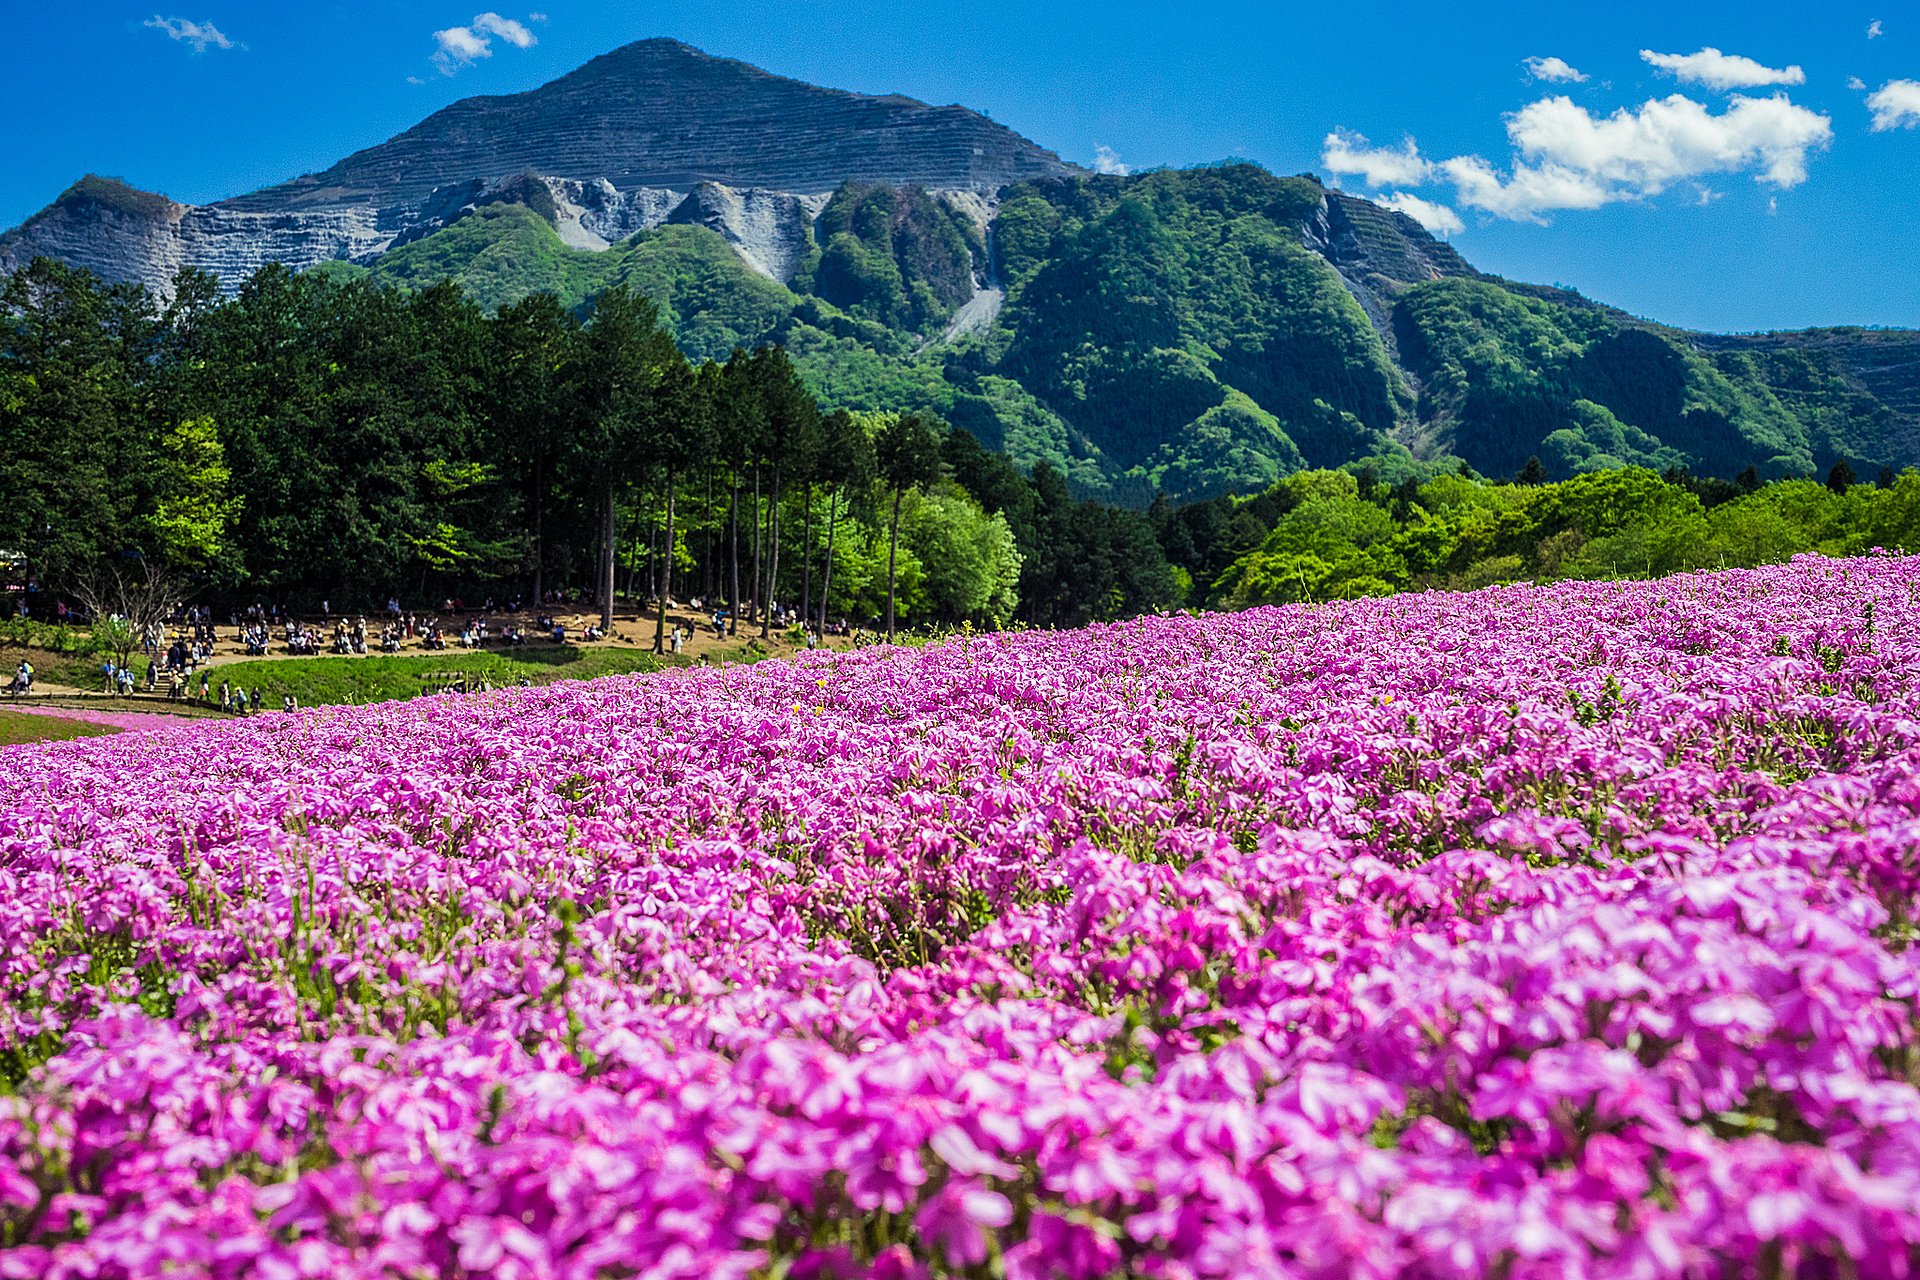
(16, 728)
(336, 681)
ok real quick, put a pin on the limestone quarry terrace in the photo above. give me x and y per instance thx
(1539, 931)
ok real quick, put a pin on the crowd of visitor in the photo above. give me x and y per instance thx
(178, 656)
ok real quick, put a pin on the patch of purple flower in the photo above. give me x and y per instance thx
(1537, 932)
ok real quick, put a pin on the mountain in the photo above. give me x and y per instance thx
(652, 132)
(662, 115)
(1189, 331)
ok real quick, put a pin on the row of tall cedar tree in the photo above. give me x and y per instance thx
(310, 439)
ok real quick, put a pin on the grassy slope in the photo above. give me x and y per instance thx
(343, 681)
(16, 728)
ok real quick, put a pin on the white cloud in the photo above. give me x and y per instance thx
(1873, 29)
(1554, 69)
(1437, 218)
(506, 28)
(463, 46)
(1345, 151)
(1719, 70)
(1568, 158)
(1107, 160)
(459, 46)
(1531, 190)
(1855, 82)
(198, 34)
(1672, 138)
(1895, 105)
(536, 17)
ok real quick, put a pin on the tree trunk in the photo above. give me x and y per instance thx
(806, 552)
(826, 576)
(706, 557)
(773, 560)
(539, 545)
(666, 575)
(757, 597)
(606, 561)
(633, 535)
(893, 550)
(733, 522)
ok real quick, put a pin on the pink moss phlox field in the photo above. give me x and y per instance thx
(1535, 932)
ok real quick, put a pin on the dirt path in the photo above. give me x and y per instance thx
(631, 631)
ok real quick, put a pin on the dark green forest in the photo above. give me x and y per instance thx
(329, 437)
(1212, 330)
(320, 437)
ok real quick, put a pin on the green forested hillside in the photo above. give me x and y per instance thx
(1178, 322)
(1508, 374)
(898, 258)
(501, 253)
(1212, 330)
(1320, 535)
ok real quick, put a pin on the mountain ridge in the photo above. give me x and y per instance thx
(750, 136)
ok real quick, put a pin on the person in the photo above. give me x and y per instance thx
(226, 695)
(23, 677)
(204, 675)
(240, 702)
(257, 701)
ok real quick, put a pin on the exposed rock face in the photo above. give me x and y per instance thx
(125, 235)
(650, 132)
(1375, 249)
(768, 229)
(1362, 239)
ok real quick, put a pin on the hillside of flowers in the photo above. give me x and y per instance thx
(1534, 932)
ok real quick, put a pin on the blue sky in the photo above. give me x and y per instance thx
(1746, 191)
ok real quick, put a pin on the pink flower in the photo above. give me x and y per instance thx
(957, 1218)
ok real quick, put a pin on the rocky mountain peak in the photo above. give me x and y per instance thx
(659, 113)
